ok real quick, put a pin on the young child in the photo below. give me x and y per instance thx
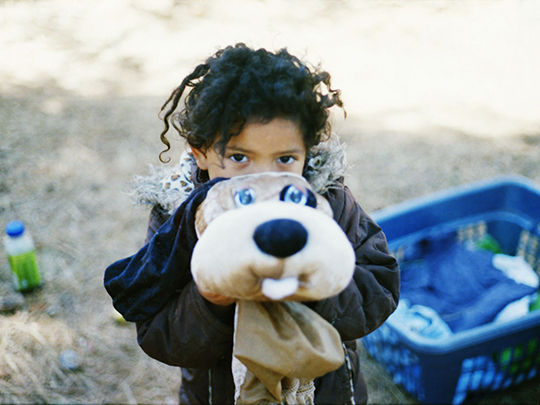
(247, 111)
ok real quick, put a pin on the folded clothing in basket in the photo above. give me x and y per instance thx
(461, 283)
(421, 320)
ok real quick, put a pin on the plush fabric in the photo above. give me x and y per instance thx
(283, 344)
(243, 225)
(228, 259)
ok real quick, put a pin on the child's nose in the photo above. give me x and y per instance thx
(281, 237)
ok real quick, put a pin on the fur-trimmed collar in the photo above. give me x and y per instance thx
(168, 186)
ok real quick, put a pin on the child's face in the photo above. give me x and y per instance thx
(276, 146)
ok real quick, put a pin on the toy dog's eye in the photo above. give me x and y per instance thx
(293, 194)
(244, 197)
(297, 196)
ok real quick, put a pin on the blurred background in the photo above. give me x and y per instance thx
(437, 94)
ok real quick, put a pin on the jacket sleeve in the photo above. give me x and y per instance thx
(140, 285)
(188, 331)
(373, 293)
(154, 288)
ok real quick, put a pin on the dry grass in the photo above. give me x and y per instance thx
(80, 87)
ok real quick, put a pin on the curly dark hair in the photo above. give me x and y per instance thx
(240, 85)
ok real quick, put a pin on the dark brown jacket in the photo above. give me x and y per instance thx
(191, 333)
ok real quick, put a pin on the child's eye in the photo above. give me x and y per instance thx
(239, 158)
(286, 159)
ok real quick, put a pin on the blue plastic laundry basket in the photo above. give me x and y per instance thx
(476, 363)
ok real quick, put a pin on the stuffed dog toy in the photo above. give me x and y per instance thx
(270, 242)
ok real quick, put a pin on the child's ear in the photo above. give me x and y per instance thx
(200, 158)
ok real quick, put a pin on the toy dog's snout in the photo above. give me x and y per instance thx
(281, 237)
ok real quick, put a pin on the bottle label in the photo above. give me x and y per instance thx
(25, 271)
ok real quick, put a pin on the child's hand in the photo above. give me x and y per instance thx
(216, 298)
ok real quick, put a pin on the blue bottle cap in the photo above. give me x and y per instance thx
(15, 228)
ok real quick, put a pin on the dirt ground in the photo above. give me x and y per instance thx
(437, 93)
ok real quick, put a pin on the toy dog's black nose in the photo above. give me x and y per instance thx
(281, 237)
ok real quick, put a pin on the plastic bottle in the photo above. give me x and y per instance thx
(22, 257)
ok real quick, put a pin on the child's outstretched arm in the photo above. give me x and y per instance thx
(141, 285)
(154, 288)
